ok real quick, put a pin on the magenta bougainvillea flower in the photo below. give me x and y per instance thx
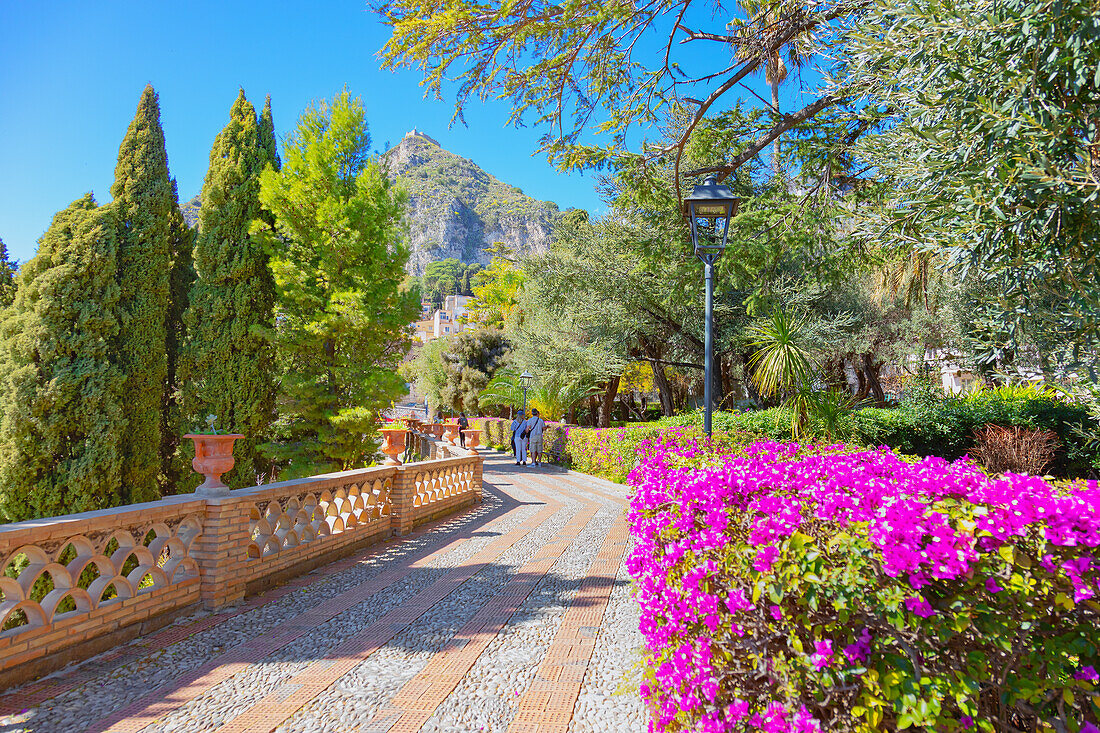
(770, 573)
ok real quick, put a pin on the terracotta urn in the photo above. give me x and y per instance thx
(452, 432)
(213, 457)
(472, 438)
(395, 445)
(437, 430)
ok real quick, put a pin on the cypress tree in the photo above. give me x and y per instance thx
(267, 135)
(7, 277)
(174, 469)
(232, 362)
(144, 198)
(63, 423)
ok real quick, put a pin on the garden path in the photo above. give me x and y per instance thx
(513, 616)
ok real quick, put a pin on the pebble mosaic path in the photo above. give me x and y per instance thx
(514, 616)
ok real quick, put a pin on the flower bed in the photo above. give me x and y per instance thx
(787, 588)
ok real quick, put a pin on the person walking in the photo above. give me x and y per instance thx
(533, 430)
(519, 442)
(463, 423)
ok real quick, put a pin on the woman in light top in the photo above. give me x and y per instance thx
(533, 429)
(519, 443)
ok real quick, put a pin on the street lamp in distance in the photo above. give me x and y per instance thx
(525, 380)
(708, 211)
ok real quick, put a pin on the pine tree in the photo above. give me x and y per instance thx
(7, 277)
(174, 469)
(63, 423)
(232, 362)
(144, 199)
(342, 313)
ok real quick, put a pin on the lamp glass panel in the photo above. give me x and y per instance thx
(712, 210)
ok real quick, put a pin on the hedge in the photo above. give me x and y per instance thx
(793, 588)
(939, 425)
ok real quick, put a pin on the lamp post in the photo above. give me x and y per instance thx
(710, 206)
(525, 382)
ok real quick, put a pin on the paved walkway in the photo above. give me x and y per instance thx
(513, 616)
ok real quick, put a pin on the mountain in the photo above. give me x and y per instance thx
(190, 211)
(456, 209)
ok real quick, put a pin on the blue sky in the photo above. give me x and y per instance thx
(71, 74)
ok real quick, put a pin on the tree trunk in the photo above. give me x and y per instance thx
(871, 369)
(664, 389)
(608, 402)
(775, 144)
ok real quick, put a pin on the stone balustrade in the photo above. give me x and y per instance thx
(74, 586)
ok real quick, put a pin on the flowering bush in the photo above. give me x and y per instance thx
(788, 588)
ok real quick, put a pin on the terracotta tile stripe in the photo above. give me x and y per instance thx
(577, 488)
(417, 701)
(270, 712)
(195, 682)
(548, 703)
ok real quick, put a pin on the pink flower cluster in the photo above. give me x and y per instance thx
(691, 504)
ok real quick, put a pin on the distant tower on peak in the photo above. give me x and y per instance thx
(417, 134)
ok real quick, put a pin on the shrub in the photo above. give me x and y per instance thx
(930, 423)
(787, 588)
(609, 453)
(1003, 448)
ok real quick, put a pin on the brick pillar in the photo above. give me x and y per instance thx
(401, 496)
(479, 465)
(221, 552)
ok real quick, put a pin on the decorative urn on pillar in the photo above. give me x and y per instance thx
(213, 457)
(473, 437)
(395, 445)
(452, 432)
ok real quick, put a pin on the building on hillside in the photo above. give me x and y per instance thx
(445, 321)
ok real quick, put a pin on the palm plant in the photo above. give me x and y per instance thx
(552, 396)
(766, 20)
(829, 408)
(783, 365)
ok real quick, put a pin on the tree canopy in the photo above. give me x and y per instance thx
(342, 316)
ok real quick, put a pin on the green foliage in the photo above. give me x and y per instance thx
(176, 470)
(341, 315)
(782, 364)
(145, 202)
(989, 143)
(495, 290)
(7, 277)
(63, 427)
(552, 395)
(451, 372)
(581, 69)
(610, 453)
(231, 369)
(447, 277)
(930, 423)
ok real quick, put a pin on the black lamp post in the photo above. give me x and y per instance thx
(708, 209)
(525, 382)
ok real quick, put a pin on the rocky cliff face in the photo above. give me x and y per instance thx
(457, 210)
